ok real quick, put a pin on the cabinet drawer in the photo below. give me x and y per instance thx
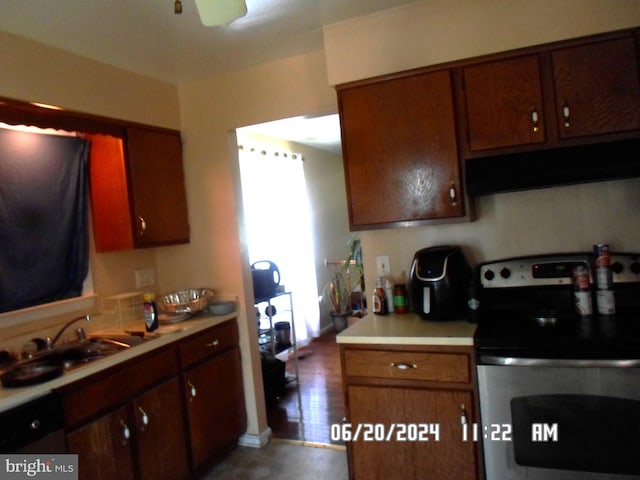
(208, 343)
(104, 390)
(428, 366)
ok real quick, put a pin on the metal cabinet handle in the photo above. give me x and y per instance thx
(453, 193)
(535, 119)
(214, 343)
(144, 417)
(403, 366)
(193, 389)
(126, 433)
(143, 225)
(566, 113)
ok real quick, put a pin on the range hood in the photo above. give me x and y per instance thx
(562, 166)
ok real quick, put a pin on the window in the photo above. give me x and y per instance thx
(43, 218)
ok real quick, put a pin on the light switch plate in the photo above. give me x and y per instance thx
(383, 269)
(144, 278)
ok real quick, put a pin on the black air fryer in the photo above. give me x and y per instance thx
(440, 279)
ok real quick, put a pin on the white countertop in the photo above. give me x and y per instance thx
(11, 397)
(407, 329)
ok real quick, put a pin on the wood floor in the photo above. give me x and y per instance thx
(306, 411)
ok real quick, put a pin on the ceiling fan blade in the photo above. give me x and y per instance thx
(220, 12)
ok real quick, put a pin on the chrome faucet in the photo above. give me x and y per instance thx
(50, 344)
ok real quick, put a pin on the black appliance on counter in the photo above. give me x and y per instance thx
(266, 278)
(439, 281)
(559, 392)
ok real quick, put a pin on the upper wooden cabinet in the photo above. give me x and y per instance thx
(563, 94)
(597, 88)
(157, 187)
(138, 196)
(400, 150)
(504, 103)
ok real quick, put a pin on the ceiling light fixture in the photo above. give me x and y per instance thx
(177, 7)
(220, 12)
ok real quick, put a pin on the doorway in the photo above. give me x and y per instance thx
(317, 141)
(306, 410)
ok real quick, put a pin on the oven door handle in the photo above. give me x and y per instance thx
(557, 362)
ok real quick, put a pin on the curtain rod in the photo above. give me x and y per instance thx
(264, 152)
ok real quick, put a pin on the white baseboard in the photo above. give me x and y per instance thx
(255, 441)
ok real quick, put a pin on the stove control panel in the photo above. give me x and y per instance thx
(553, 269)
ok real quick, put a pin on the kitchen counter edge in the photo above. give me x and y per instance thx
(13, 397)
(407, 329)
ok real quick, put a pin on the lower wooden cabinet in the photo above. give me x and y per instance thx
(160, 431)
(144, 436)
(104, 451)
(425, 393)
(163, 415)
(215, 406)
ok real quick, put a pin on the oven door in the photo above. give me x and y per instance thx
(559, 419)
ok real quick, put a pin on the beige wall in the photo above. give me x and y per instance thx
(211, 110)
(559, 219)
(432, 32)
(37, 73)
(324, 174)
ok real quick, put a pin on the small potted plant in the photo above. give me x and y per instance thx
(348, 275)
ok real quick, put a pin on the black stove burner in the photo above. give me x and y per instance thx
(559, 336)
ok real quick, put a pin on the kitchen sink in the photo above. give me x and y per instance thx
(49, 364)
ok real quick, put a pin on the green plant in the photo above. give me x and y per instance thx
(348, 275)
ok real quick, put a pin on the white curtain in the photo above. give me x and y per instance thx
(279, 228)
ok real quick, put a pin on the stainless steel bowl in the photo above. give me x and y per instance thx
(190, 300)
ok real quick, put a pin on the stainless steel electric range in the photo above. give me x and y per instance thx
(559, 392)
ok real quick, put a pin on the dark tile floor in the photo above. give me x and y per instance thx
(282, 460)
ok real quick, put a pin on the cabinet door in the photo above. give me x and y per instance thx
(215, 406)
(160, 433)
(597, 88)
(504, 103)
(449, 458)
(110, 202)
(157, 187)
(104, 447)
(400, 151)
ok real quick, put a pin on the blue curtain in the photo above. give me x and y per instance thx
(44, 251)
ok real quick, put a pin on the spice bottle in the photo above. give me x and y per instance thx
(389, 294)
(150, 309)
(379, 300)
(400, 300)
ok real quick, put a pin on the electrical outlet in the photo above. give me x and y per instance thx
(144, 278)
(383, 269)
